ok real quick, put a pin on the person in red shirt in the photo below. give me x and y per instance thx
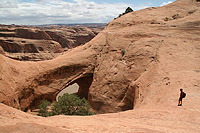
(180, 98)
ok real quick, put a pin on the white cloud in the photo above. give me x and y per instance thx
(59, 11)
(40, 0)
(8, 4)
(166, 3)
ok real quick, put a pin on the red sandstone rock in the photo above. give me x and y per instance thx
(160, 58)
(42, 43)
(32, 34)
(117, 82)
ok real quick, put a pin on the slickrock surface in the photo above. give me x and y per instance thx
(161, 56)
(146, 120)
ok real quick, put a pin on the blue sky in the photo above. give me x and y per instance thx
(36, 12)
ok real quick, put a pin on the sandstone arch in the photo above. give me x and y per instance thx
(84, 82)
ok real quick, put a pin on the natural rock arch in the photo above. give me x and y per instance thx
(84, 82)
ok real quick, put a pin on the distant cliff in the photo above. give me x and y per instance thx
(42, 43)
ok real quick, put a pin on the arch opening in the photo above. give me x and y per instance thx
(71, 89)
(79, 87)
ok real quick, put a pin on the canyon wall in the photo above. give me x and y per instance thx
(42, 43)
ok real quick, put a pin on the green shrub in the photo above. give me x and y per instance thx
(43, 108)
(70, 104)
(127, 11)
(176, 16)
(166, 19)
(123, 52)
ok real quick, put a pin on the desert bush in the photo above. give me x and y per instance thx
(70, 104)
(166, 19)
(176, 16)
(123, 52)
(127, 11)
(43, 108)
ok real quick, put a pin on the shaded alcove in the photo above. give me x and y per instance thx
(37, 100)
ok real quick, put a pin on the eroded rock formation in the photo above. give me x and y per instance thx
(158, 55)
(42, 43)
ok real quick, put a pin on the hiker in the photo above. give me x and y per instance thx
(182, 95)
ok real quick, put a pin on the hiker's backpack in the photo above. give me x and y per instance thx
(184, 95)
